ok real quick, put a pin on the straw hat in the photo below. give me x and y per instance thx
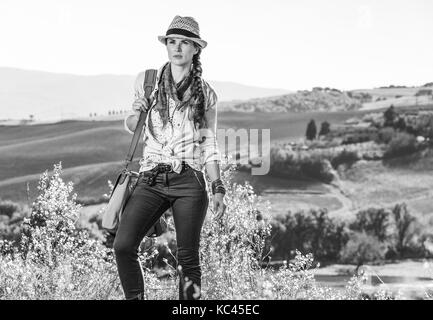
(186, 28)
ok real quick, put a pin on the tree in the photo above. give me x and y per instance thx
(403, 222)
(401, 124)
(390, 115)
(311, 130)
(109, 113)
(324, 128)
(32, 117)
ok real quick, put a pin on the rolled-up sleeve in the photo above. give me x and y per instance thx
(127, 123)
(208, 136)
(138, 93)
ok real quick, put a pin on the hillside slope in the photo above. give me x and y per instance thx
(329, 99)
(301, 101)
(90, 181)
(27, 151)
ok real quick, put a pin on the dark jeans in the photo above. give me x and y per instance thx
(186, 194)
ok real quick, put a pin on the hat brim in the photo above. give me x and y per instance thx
(200, 42)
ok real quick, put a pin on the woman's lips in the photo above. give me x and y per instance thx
(177, 56)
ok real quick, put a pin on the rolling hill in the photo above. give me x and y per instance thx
(301, 101)
(91, 152)
(329, 99)
(64, 96)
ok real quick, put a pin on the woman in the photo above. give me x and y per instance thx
(179, 142)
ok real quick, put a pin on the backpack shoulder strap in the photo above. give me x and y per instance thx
(148, 86)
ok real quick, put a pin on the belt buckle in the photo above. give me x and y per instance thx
(165, 168)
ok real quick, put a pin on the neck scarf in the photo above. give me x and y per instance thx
(181, 92)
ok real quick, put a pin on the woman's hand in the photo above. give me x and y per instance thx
(141, 104)
(218, 205)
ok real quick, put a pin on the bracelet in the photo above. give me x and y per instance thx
(220, 190)
(218, 187)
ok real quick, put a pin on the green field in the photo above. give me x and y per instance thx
(91, 152)
(27, 151)
(376, 184)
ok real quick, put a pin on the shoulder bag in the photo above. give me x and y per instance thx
(127, 179)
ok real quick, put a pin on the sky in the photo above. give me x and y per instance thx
(288, 44)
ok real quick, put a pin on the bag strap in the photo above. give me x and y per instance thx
(148, 86)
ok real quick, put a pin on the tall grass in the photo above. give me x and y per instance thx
(55, 259)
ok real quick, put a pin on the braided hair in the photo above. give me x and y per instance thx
(198, 107)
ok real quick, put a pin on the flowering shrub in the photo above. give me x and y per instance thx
(56, 259)
(232, 249)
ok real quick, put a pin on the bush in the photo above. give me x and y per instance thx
(7, 208)
(385, 135)
(424, 92)
(233, 250)
(88, 201)
(317, 169)
(10, 229)
(375, 119)
(54, 259)
(390, 116)
(345, 157)
(299, 165)
(311, 231)
(363, 248)
(11, 217)
(359, 137)
(401, 144)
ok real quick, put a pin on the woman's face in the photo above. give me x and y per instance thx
(180, 51)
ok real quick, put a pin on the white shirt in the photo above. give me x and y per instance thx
(184, 141)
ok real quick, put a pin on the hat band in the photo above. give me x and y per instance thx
(182, 32)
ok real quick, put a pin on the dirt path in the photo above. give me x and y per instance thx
(348, 208)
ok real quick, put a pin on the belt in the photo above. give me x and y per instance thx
(159, 168)
(165, 167)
